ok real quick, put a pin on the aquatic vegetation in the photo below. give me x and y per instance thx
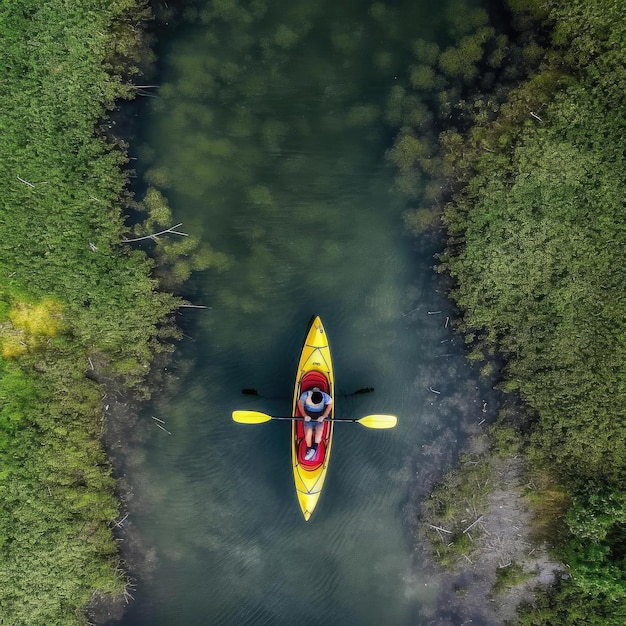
(285, 38)
(245, 160)
(420, 220)
(422, 77)
(362, 115)
(426, 52)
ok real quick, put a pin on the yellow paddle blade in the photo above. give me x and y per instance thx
(378, 421)
(251, 417)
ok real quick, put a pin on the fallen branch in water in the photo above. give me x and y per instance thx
(155, 235)
(120, 523)
(165, 429)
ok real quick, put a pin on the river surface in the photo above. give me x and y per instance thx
(267, 138)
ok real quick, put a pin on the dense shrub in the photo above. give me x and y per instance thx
(537, 251)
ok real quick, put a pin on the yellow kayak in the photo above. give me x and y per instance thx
(315, 369)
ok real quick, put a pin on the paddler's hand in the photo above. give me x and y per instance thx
(307, 418)
(321, 418)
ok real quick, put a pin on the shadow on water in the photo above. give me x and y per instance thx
(267, 139)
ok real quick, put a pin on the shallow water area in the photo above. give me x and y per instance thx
(268, 140)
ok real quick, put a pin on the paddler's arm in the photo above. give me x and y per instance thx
(326, 412)
(307, 418)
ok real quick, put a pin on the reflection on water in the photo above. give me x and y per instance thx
(268, 139)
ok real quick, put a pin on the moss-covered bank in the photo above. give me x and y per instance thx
(74, 299)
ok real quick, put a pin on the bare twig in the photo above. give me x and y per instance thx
(165, 429)
(447, 321)
(536, 116)
(193, 306)
(26, 182)
(157, 419)
(434, 391)
(443, 530)
(433, 312)
(473, 524)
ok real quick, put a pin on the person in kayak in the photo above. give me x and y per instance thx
(316, 406)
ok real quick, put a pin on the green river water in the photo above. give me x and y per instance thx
(268, 137)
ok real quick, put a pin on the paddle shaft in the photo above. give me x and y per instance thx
(295, 418)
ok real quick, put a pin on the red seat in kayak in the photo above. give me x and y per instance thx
(309, 380)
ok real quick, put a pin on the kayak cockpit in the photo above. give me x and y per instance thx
(310, 380)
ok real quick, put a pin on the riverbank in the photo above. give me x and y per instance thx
(76, 303)
(535, 222)
(479, 526)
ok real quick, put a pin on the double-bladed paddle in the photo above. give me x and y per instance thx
(369, 421)
(254, 392)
